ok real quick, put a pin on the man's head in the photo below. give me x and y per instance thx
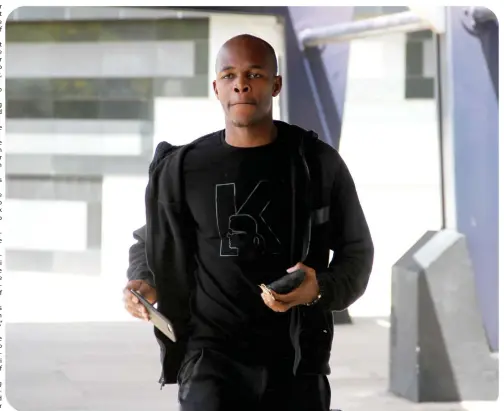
(247, 80)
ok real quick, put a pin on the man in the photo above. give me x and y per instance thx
(230, 212)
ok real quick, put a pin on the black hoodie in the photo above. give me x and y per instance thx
(324, 198)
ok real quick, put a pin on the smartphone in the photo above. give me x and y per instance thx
(288, 282)
(162, 323)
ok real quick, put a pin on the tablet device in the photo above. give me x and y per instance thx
(162, 323)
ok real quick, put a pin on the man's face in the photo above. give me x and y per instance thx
(246, 83)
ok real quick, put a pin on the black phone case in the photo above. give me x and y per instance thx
(288, 282)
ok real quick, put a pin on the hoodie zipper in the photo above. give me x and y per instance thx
(306, 199)
(293, 212)
(307, 238)
(306, 235)
(163, 354)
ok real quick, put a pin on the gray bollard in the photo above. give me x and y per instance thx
(341, 317)
(438, 346)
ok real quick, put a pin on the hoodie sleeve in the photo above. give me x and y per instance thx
(347, 276)
(138, 269)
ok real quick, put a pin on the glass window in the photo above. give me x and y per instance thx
(202, 57)
(68, 109)
(113, 98)
(72, 89)
(135, 88)
(420, 65)
(128, 30)
(414, 58)
(23, 108)
(168, 87)
(79, 109)
(28, 88)
(55, 32)
(420, 35)
(91, 31)
(196, 86)
(183, 29)
(419, 88)
(75, 88)
(96, 109)
(125, 110)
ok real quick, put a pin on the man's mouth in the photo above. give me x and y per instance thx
(247, 103)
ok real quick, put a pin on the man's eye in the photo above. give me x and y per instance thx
(254, 75)
(227, 76)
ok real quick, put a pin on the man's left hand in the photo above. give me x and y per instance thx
(306, 293)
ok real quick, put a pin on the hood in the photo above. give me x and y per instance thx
(295, 130)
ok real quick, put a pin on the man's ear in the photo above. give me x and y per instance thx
(277, 85)
(216, 92)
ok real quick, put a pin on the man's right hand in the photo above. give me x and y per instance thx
(132, 304)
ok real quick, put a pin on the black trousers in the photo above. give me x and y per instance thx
(209, 380)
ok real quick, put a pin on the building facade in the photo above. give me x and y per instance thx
(91, 91)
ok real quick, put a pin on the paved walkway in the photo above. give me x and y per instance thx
(114, 366)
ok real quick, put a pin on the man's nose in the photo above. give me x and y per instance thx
(241, 87)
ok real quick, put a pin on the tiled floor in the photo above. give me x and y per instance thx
(114, 366)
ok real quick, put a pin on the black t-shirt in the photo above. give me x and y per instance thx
(240, 199)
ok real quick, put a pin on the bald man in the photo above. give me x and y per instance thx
(231, 212)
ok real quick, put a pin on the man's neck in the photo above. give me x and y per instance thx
(253, 136)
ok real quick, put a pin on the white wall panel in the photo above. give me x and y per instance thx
(76, 126)
(182, 120)
(77, 144)
(45, 225)
(107, 59)
(123, 206)
(390, 145)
